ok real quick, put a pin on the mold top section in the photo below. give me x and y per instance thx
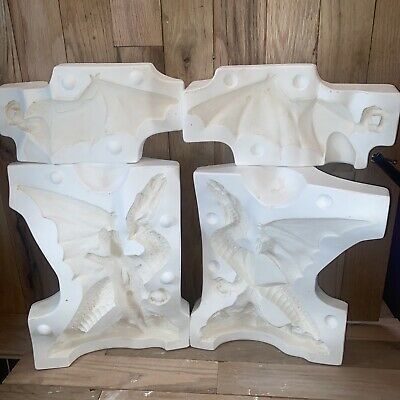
(285, 115)
(90, 113)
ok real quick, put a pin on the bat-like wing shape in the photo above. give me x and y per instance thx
(82, 228)
(292, 243)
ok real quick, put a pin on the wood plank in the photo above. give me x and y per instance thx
(368, 263)
(14, 335)
(156, 146)
(114, 372)
(307, 381)
(39, 392)
(292, 31)
(239, 39)
(358, 353)
(345, 31)
(386, 329)
(136, 395)
(136, 22)
(188, 49)
(88, 31)
(39, 37)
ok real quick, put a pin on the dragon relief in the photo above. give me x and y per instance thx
(284, 249)
(92, 247)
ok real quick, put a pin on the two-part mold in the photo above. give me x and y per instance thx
(109, 222)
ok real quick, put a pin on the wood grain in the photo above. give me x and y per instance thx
(115, 372)
(188, 49)
(38, 392)
(136, 22)
(307, 381)
(367, 266)
(156, 146)
(88, 31)
(239, 39)
(14, 336)
(292, 31)
(39, 37)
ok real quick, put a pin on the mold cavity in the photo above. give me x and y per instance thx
(273, 186)
(159, 297)
(136, 77)
(324, 201)
(44, 329)
(167, 221)
(331, 321)
(212, 218)
(68, 82)
(56, 177)
(300, 82)
(230, 80)
(339, 149)
(213, 266)
(257, 150)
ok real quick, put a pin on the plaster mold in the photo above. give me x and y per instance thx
(285, 115)
(103, 230)
(90, 113)
(267, 232)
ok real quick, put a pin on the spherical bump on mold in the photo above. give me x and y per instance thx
(136, 77)
(68, 82)
(56, 177)
(167, 221)
(167, 277)
(257, 150)
(213, 266)
(159, 297)
(230, 80)
(331, 321)
(114, 146)
(300, 82)
(44, 329)
(324, 201)
(212, 218)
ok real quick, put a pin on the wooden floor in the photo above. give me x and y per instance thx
(235, 371)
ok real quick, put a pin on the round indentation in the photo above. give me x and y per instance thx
(212, 218)
(167, 220)
(213, 266)
(230, 80)
(324, 201)
(167, 277)
(331, 321)
(114, 146)
(257, 150)
(68, 82)
(136, 77)
(159, 297)
(44, 329)
(300, 82)
(56, 177)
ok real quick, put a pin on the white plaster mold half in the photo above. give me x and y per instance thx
(267, 232)
(112, 236)
(90, 113)
(285, 115)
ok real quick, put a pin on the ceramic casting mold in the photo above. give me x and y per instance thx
(267, 232)
(285, 115)
(112, 235)
(90, 113)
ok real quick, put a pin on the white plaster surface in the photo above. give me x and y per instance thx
(112, 235)
(267, 232)
(285, 115)
(90, 113)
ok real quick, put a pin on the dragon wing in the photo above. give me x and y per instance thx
(82, 228)
(292, 243)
